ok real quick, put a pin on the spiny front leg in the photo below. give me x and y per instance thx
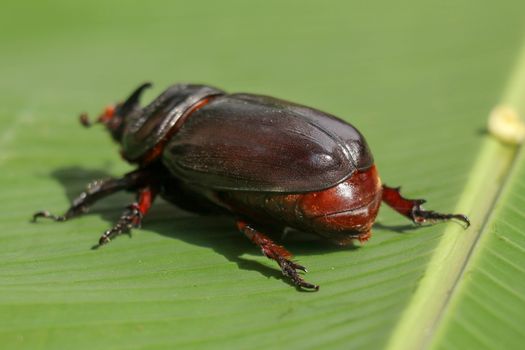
(132, 216)
(277, 253)
(411, 208)
(94, 192)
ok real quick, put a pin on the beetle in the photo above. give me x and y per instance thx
(269, 163)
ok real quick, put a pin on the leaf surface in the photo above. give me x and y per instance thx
(418, 80)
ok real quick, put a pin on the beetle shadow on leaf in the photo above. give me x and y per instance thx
(75, 179)
(396, 228)
(215, 232)
(219, 234)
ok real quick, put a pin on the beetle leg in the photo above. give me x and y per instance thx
(411, 208)
(94, 192)
(277, 253)
(132, 216)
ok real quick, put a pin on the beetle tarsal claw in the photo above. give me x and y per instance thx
(47, 215)
(298, 267)
(130, 219)
(462, 218)
(289, 269)
(421, 216)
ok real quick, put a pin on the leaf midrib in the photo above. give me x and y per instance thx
(444, 273)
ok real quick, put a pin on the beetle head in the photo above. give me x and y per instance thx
(114, 116)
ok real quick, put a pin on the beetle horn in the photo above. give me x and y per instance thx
(133, 99)
(123, 109)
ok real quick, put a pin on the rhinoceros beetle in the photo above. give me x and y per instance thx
(270, 163)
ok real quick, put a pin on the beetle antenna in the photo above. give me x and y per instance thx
(127, 106)
(84, 120)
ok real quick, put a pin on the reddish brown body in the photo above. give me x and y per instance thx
(341, 213)
(270, 163)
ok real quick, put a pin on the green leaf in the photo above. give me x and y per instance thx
(417, 79)
(486, 310)
(452, 259)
